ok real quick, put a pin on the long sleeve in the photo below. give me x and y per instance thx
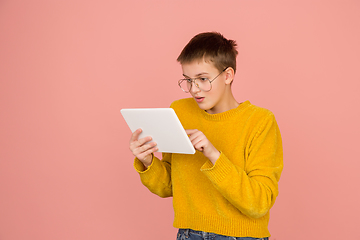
(252, 190)
(157, 178)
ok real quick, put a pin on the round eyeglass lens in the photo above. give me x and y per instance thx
(185, 85)
(203, 83)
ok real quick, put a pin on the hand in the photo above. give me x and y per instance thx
(202, 144)
(142, 148)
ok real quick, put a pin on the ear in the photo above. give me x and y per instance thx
(229, 75)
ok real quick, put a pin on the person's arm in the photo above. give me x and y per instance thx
(157, 176)
(154, 174)
(252, 190)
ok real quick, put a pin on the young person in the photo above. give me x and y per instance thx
(226, 189)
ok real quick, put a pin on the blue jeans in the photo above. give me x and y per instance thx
(188, 234)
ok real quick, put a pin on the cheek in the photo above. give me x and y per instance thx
(217, 89)
(213, 95)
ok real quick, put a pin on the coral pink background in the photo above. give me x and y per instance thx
(68, 67)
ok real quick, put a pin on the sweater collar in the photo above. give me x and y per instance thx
(225, 115)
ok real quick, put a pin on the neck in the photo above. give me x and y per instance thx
(226, 104)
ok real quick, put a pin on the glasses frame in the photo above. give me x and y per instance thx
(193, 81)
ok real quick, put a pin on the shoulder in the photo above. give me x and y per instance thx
(185, 102)
(265, 122)
(184, 106)
(259, 116)
(186, 109)
(260, 111)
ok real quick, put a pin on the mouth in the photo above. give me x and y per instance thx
(199, 99)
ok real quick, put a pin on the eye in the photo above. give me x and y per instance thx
(203, 79)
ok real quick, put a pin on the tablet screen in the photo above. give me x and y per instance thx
(163, 125)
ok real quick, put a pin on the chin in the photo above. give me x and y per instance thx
(204, 107)
(201, 106)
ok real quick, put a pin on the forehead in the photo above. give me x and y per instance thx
(198, 66)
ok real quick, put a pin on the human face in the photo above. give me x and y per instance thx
(219, 97)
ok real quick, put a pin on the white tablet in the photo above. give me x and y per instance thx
(163, 125)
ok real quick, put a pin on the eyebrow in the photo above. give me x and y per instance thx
(197, 75)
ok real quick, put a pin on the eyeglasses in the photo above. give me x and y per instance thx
(204, 84)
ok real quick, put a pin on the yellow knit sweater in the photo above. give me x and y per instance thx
(234, 196)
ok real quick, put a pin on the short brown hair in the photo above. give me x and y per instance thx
(210, 46)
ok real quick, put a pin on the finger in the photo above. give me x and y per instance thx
(135, 135)
(144, 140)
(191, 131)
(141, 149)
(140, 142)
(147, 152)
(199, 147)
(197, 140)
(196, 135)
(147, 146)
(198, 144)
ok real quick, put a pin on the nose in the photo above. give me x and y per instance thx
(194, 87)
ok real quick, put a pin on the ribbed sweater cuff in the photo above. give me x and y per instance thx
(149, 174)
(139, 166)
(219, 171)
